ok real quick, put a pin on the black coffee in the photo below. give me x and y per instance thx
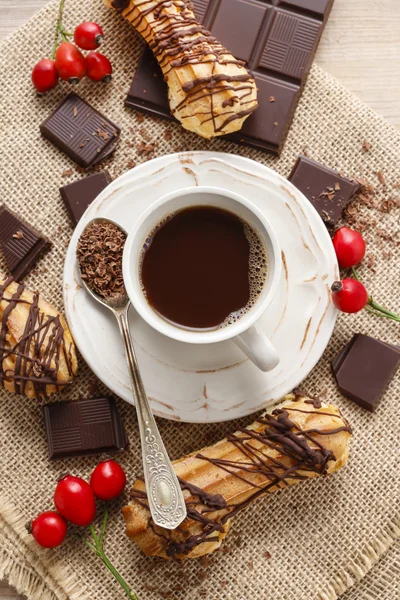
(203, 268)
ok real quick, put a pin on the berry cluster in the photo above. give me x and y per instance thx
(350, 295)
(67, 62)
(74, 499)
(75, 502)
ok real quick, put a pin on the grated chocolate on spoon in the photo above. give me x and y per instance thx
(99, 253)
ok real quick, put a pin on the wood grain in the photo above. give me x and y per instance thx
(360, 46)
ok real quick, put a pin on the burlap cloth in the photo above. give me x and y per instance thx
(323, 536)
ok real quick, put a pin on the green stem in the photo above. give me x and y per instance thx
(98, 549)
(104, 525)
(375, 308)
(59, 28)
(385, 313)
(94, 536)
(374, 312)
(117, 576)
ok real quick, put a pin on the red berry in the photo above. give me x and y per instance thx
(44, 75)
(70, 63)
(349, 247)
(74, 500)
(88, 36)
(49, 529)
(108, 480)
(349, 295)
(99, 67)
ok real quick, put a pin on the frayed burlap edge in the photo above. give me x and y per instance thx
(29, 576)
(362, 563)
(26, 572)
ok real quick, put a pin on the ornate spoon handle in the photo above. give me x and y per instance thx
(166, 501)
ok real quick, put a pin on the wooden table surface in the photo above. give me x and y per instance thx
(360, 46)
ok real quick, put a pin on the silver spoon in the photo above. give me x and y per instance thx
(164, 494)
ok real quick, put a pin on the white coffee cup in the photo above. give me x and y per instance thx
(245, 332)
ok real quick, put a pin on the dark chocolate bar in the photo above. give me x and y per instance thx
(277, 39)
(84, 427)
(22, 245)
(80, 131)
(327, 191)
(78, 195)
(364, 368)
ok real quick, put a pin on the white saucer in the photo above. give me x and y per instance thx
(212, 382)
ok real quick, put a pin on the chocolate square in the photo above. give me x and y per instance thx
(77, 196)
(364, 368)
(80, 131)
(237, 25)
(21, 243)
(327, 191)
(319, 7)
(84, 427)
(290, 44)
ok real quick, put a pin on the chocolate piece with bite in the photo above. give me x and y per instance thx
(84, 427)
(277, 42)
(328, 192)
(21, 243)
(364, 368)
(80, 131)
(78, 195)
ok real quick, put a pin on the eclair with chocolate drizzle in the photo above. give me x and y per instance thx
(210, 91)
(295, 442)
(37, 352)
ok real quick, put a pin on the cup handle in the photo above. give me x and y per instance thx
(255, 344)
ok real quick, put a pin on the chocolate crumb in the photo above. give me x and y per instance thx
(143, 148)
(366, 146)
(102, 134)
(251, 565)
(381, 177)
(272, 98)
(223, 584)
(167, 135)
(140, 118)
(93, 390)
(144, 134)
(267, 554)
(18, 235)
(202, 575)
(387, 206)
(387, 254)
(371, 262)
(204, 561)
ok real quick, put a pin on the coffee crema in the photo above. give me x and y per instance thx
(202, 268)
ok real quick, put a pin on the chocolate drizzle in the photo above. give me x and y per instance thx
(120, 5)
(38, 351)
(316, 402)
(175, 32)
(298, 452)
